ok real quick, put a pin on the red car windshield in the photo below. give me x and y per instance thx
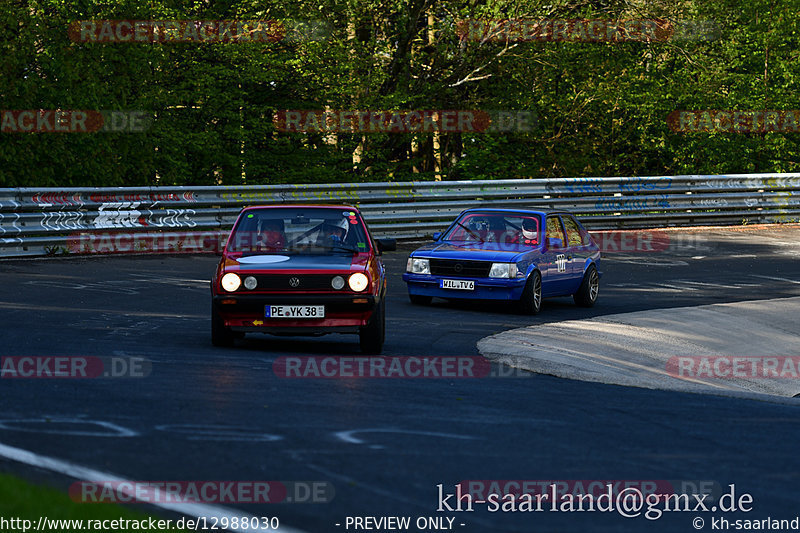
(298, 231)
(507, 228)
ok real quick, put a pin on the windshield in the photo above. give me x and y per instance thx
(299, 230)
(507, 228)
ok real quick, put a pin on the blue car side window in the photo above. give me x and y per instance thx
(574, 236)
(554, 232)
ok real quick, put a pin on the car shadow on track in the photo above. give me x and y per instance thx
(333, 344)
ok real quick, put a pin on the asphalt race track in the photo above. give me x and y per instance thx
(207, 413)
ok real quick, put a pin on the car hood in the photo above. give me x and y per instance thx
(487, 251)
(337, 261)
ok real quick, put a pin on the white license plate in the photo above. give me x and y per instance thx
(458, 284)
(294, 311)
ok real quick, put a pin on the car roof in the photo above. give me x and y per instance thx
(303, 206)
(526, 209)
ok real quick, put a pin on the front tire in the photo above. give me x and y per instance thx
(372, 335)
(589, 289)
(220, 335)
(531, 301)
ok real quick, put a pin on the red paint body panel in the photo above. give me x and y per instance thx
(340, 311)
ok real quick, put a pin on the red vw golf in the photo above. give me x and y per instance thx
(300, 270)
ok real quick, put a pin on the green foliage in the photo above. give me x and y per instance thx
(28, 502)
(601, 107)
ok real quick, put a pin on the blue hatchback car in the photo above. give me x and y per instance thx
(517, 255)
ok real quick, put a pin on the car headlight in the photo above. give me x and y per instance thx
(230, 282)
(503, 270)
(250, 283)
(358, 282)
(337, 282)
(418, 266)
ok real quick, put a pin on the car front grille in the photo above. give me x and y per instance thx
(454, 267)
(294, 282)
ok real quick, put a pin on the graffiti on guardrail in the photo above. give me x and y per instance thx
(60, 220)
(637, 202)
(750, 183)
(600, 185)
(785, 199)
(51, 199)
(169, 218)
(291, 196)
(115, 214)
(251, 195)
(431, 190)
(401, 193)
(711, 202)
(11, 226)
(775, 183)
(646, 184)
(586, 185)
(143, 198)
(54, 221)
(127, 215)
(343, 194)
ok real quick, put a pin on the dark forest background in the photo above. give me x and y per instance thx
(601, 108)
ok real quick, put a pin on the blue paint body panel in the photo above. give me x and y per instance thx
(479, 237)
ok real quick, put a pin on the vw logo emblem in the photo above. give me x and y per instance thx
(294, 282)
(458, 267)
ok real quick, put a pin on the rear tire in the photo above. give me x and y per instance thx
(589, 289)
(418, 299)
(372, 335)
(220, 335)
(531, 301)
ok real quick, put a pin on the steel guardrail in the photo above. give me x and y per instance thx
(51, 221)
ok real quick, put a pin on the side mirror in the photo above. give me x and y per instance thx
(386, 245)
(437, 235)
(555, 243)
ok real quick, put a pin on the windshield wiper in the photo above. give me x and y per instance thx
(470, 231)
(342, 246)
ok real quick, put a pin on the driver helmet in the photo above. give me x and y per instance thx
(272, 233)
(529, 229)
(338, 225)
